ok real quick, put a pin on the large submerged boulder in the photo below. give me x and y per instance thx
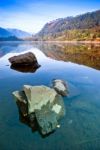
(43, 104)
(24, 59)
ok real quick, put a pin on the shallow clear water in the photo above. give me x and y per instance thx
(79, 66)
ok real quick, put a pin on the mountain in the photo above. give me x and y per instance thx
(13, 34)
(10, 38)
(4, 33)
(69, 28)
(19, 33)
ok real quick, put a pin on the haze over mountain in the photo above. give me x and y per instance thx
(4, 33)
(13, 34)
(19, 33)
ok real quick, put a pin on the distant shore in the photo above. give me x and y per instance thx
(84, 42)
(73, 42)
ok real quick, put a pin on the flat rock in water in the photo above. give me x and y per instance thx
(38, 96)
(24, 59)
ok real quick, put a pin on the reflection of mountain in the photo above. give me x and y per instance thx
(88, 55)
(6, 47)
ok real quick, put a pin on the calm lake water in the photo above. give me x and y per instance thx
(79, 66)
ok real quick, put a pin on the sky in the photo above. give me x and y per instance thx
(31, 15)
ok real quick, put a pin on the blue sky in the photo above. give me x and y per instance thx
(31, 15)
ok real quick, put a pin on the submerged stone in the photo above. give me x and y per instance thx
(38, 96)
(50, 114)
(21, 101)
(42, 104)
(61, 87)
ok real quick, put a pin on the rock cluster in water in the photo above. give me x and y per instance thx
(43, 104)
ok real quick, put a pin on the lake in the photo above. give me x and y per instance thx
(79, 66)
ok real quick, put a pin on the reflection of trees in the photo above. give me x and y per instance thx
(85, 54)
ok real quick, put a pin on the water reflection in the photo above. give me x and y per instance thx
(84, 54)
(80, 129)
(9, 47)
(25, 69)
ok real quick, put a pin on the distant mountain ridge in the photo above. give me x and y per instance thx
(19, 33)
(4, 33)
(79, 28)
(13, 34)
(86, 21)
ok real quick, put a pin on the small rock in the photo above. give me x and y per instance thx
(61, 87)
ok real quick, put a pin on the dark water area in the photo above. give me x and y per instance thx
(79, 66)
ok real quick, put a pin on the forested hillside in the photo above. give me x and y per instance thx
(82, 27)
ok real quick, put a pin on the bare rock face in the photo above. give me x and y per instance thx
(42, 103)
(24, 59)
(61, 87)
